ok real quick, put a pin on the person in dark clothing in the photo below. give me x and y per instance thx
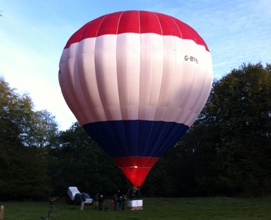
(124, 201)
(97, 197)
(101, 201)
(120, 201)
(115, 201)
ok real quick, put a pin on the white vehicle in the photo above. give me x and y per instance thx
(72, 192)
(74, 196)
(78, 197)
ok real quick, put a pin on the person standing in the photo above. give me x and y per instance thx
(101, 201)
(97, 197)
(124, 201)
(115, 201)
(120, 201)
(83, 199)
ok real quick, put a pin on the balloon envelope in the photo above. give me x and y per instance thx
(136, 81)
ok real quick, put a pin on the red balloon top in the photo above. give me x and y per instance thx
(136, 22)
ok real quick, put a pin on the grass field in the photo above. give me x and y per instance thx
(220, 208)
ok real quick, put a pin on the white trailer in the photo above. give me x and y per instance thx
(72, 192)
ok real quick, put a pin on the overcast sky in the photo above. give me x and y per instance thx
(34, 32)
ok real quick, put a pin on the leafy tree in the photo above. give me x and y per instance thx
(41, 130)
(23, 168)
(232, 141)
(15, 111)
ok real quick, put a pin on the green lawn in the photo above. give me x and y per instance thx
(220, 208)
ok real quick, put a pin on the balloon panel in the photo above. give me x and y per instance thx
(135, 145)
(136, 169)
(135, 77)
(136, 22)
(135, 137)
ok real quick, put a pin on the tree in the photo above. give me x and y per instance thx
(23, 167)
(14, 112)
(41, 130)
(232, 141)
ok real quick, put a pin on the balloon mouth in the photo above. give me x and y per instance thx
(136, 168)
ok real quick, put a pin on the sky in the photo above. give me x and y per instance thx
(33, 34)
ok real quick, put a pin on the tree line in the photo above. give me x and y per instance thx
(226, 152)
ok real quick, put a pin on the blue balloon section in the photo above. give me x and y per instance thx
(136, 137)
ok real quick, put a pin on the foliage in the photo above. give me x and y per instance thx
(230, 142)
(41, 131)
(23, 168)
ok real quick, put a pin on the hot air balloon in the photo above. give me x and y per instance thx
(136, 81)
